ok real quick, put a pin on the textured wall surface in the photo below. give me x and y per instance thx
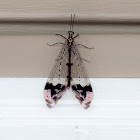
(114, 55)
(120, 9)
(112, 27)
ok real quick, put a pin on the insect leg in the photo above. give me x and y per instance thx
(56, 44)
(85, 60)
(76, 35)
(81, 57)
(61, 36)
(84, 46)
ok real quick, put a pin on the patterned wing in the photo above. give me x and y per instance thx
(56, 83)
(80, 83)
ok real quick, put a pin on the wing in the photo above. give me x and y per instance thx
(80, 83)
(56, 83)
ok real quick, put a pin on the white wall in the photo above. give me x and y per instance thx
(114, 113)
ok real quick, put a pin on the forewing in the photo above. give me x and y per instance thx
(56, 83)
(80, 82)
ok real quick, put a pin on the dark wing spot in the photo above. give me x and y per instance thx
(59, 87)
(83, 90)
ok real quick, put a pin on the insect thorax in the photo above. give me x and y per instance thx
(70, 38)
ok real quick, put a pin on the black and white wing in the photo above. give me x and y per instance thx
(80, 81)
(56, 83)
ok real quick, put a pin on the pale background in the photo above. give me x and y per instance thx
(114, 112)
(112, 27)
(30, 56)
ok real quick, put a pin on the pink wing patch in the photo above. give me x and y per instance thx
(53, 93)
(88, 98)
(47, 96)
(83, 94)
(86, 102)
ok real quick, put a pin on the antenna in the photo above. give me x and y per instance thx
(73, 21)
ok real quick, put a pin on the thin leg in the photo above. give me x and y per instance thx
(85, 60)
(81, 57)
(84, 46)
(76, 35)
(61, 36)
(56, 44)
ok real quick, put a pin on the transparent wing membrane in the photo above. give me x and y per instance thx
(80, 81)
(56, 83)
(67, 71)
(59, 69)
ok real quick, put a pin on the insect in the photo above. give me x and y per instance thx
(68, 71)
